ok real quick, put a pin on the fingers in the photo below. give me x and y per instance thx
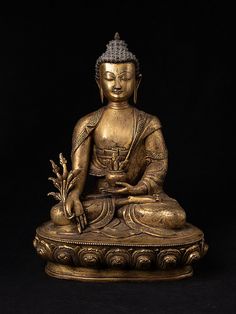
(68, 206)
(81, 219)
(78, 225)
(117, 191)
(81, 222)
(103, 190)
(108, 190)
(122, 191)
(125, 187)
(85, 220)
(123, 184)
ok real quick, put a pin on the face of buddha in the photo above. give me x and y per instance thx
(117, 81)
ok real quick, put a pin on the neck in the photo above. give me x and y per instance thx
(118, 105)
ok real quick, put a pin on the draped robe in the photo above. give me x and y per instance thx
(149, 155)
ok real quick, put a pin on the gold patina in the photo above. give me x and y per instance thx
(113, 221)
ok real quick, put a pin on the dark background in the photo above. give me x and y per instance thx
(48, 52)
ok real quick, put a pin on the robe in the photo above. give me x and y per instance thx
(149, 155)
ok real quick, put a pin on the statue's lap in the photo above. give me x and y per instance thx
(69, 234)
(157, 219)
(164, 214)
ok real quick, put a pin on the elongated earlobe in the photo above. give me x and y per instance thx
(135, 95)
(101, 95)
(100, 91)
(136, 88)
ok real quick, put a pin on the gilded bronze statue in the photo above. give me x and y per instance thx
(113, 221)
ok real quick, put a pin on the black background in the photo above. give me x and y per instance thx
(48, 53)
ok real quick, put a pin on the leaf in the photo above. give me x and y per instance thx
(73, 181)
(63, 162)
(55, 168)
(76, 171)
(70, 176)
(73, 174)
(57, 196)
(55, 182)
(62, 159)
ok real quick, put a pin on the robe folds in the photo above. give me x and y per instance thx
(149, 155)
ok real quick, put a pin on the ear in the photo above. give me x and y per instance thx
(100, 90)
(98, 83)
(138, 81)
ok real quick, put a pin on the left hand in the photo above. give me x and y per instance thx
(125, 188)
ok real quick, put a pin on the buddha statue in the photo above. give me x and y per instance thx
(119, 163)
(123, 150)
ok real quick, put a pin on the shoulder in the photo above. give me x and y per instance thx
(151, 121)
(84, 127)
(82, 122)
(90, 120)
(154, 121)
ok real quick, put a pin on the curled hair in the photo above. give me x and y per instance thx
(117, 52)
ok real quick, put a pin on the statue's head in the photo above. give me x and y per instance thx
(117, 72)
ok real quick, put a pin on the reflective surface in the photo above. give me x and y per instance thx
(115, 188)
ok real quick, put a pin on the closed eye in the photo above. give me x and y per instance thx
(109, 78)
(124, 78)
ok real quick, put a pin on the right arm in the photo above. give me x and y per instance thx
(80, 160)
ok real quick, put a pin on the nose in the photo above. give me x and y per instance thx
(117, 85)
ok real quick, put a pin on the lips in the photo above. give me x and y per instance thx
(117, 92)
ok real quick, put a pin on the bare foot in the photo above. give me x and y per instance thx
(142, 199)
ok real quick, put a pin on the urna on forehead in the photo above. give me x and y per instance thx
(117, 53)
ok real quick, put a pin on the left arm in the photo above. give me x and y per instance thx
(157, 163)
(157, 158)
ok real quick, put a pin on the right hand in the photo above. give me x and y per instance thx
(74, 205)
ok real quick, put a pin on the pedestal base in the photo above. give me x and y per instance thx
(111, 275)
(92, 256)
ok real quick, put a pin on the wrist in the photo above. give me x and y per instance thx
(74, 194)
(140, 189)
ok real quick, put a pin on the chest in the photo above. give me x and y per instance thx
(115, 129)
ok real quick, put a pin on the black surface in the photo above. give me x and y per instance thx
(48, 52)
